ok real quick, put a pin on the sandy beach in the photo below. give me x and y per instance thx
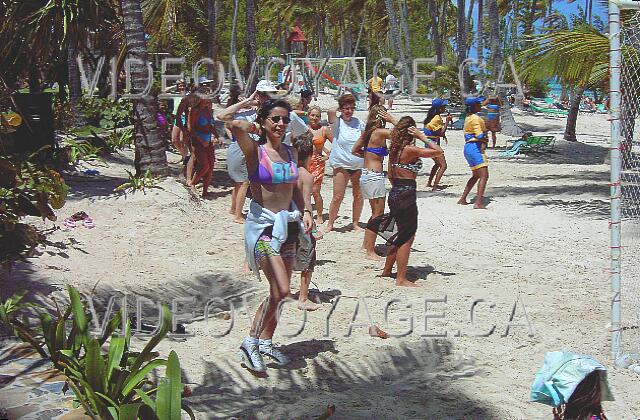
(542, 245)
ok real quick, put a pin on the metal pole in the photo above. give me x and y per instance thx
(615, 61)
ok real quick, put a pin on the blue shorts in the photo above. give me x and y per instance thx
(474, 155)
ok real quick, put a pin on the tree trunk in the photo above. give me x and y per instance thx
(364, 18)
(404, 25)
(234, 32)
(75, 85)
(443, 23)
(435, 30)
(528, 23)
(469, 26)
(395, 38)
(213, 11)
(149, 146)
(494, 38)
(461, 34)
(321, 39)
(480, 51)
(572, 118)
(590, 9)
(250, 43)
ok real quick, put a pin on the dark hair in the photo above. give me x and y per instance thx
(400, 136)
(375, 99)
(585, 400)
(265, 110)
(234, 93)
(373, 122)
(306, 93)
(304, 145)
(433, 111)
(346, 99)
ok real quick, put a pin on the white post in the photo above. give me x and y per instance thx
(615, 61)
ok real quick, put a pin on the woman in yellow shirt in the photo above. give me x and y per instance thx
(435, 128)
(475, 138)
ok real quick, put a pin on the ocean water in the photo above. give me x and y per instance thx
(556, 90)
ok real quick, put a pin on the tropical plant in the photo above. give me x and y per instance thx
(139, 182)
(578, 58)
(110, 383)
(26, 189)
(81, 150)
(118, 140)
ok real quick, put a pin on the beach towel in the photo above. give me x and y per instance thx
(560, 375)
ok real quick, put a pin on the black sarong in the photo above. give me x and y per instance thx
(401, 223)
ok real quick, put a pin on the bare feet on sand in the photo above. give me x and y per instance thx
(327, 229)
(373, 256)
(319, 220)
(405, 283)
(463, 202)
(479, 206)
(308, 305)
(356, 228)
(386, 274)
(375, 331)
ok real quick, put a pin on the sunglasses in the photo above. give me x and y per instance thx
(276, 119)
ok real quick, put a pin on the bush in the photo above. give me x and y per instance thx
(26, 189)
(109, 382)
(107, 113)
(538, 88)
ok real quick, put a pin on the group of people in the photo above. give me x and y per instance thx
(278, 154)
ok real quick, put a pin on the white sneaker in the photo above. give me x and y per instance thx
(266, 347)
(251, 357)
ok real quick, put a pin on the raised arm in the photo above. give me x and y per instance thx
(332, 115)
(228, 113)
(241, 130)
(358, 146)
(432, 150)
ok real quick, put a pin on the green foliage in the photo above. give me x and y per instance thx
(139, 182)
(111, 382)
(81, 150)
(538, 88)
(119, 140)
(26, 189)
(107, 113)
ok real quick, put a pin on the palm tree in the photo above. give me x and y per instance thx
(394, 31)
(432, 8)
(234, 32)
(461, 33)
(250, 42)
(480, 51)
(494, 37)
(149, 147)
(213, 12)
(577, 57)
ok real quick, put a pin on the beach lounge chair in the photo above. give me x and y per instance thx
(548, 111)
(538, 143)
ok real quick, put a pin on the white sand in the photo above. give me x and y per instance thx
(543, 240)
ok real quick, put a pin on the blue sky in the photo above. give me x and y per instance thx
(568, 8)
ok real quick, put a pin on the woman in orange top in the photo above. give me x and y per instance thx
(320, 135)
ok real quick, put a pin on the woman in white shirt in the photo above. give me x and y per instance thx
(347, 167)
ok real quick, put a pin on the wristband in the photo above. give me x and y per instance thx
(307, 211)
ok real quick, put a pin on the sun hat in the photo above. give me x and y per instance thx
(560, 375)
(266, 86)
(471, 100)
(437, 102)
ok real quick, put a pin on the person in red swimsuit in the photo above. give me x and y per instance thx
(321, 135)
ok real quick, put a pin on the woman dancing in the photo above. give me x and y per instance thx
(273, 223)
(346, 167)
(475, 143)
(372, 145)
(399, 226)
(203, 139)
(493, 117)
(435, 128)
(321, 135)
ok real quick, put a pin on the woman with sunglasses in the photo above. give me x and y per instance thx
(347, 167)
(273, 223)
